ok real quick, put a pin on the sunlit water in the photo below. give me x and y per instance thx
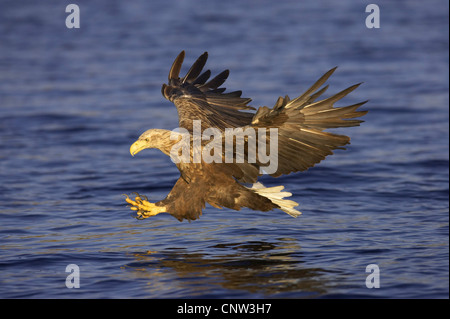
(73, 101)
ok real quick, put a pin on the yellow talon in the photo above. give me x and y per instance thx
(143, 207)
(129, 201)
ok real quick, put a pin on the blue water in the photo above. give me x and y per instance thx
(73, 100)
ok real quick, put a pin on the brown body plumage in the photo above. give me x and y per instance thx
(302, 142)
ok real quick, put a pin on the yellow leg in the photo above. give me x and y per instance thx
(143, 207)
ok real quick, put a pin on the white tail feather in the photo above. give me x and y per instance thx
(276, 196)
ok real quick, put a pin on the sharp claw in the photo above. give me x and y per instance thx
(129, 201)
(142, 206)
(141, 215)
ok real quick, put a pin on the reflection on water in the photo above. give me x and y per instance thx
(275, 270)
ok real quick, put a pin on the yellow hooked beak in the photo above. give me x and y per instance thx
(137, 146)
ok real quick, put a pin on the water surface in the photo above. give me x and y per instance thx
(73, 101)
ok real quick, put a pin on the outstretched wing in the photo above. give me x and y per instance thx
(301, 122)
(302, 141)
(196, 98)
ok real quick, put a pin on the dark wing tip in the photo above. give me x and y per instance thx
(176, 66)
(217, 81)
(202, 78)
(196, 68)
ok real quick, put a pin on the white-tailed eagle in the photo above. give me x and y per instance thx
(224, 179)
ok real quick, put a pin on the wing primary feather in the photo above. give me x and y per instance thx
(196, 68)
(176, 66)
(335, 97)
(233, 94)
(217, 81)
(202, 78)
(314, 96)
(304, 97)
